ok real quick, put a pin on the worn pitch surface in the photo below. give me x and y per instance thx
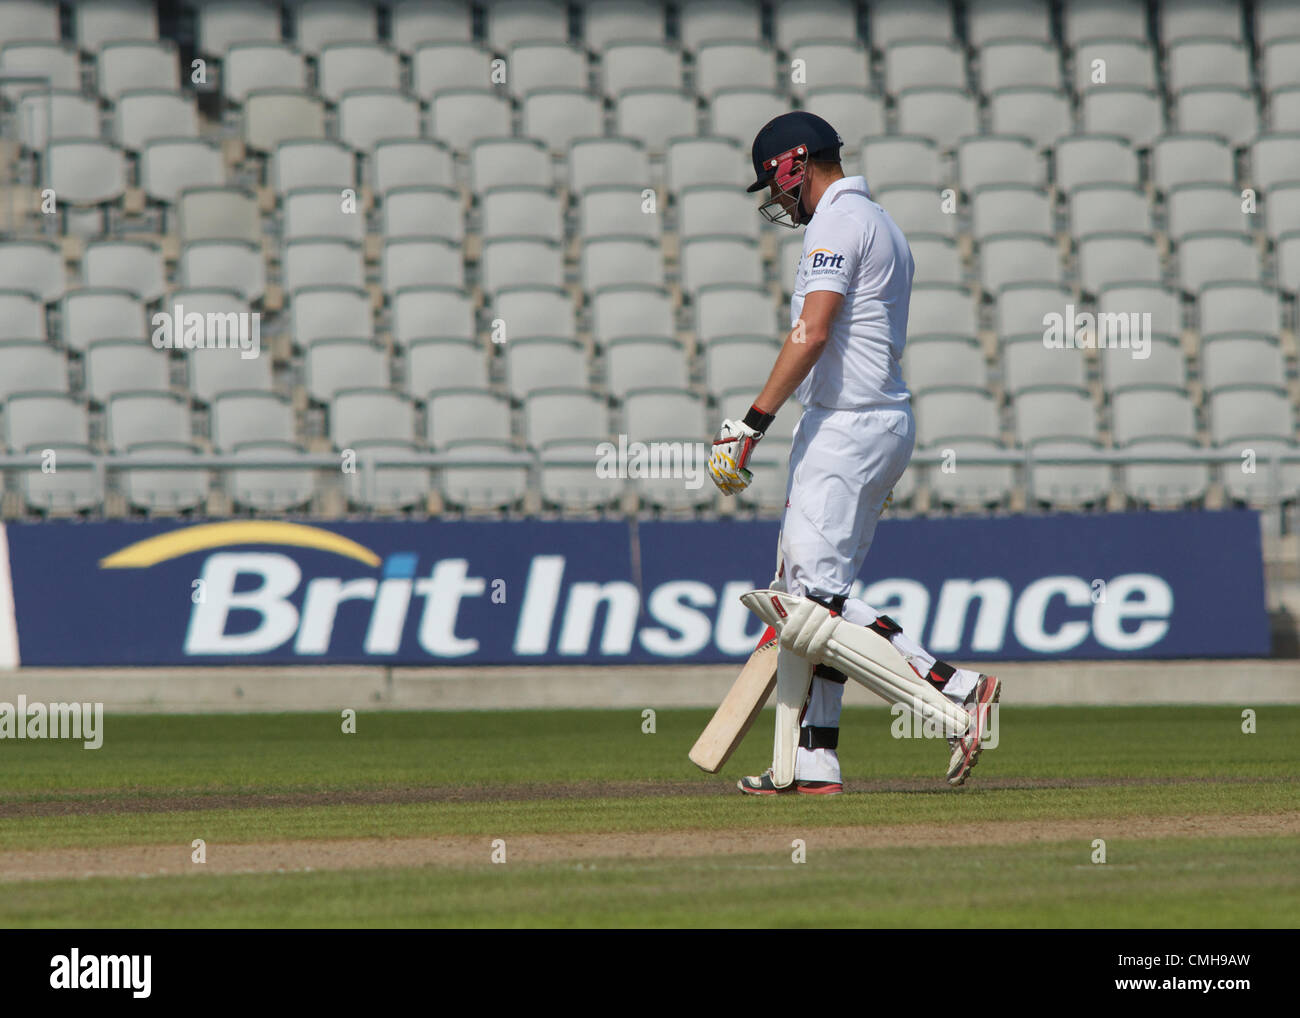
(1079, 817)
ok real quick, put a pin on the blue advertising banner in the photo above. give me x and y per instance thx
(1141, 585)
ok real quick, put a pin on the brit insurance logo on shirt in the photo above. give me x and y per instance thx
(824, 262)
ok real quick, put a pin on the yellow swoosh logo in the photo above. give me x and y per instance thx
(176, 543)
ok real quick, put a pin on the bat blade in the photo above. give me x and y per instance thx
(739, 708)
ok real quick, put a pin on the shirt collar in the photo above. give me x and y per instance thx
(858, 183)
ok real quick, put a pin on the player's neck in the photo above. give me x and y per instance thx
(818, 186)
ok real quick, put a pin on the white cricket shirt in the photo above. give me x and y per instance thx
(853, 247)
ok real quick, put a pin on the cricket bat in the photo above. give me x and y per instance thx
(736, 714)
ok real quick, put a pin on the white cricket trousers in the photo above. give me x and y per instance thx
(843, 466)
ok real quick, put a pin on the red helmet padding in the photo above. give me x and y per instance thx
(789, 167)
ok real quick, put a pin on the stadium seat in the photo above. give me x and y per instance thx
(431, 312)
(410, 163)
(892, 162)
(414, 261)
(332, 365)
(125, 65)
(320, 212)
(940, 114)
(633, 310)
(240, 417)
(423, 212)
(370, 415)
(335, 21)
(620, 261)
(436, 365)
(1145, 412)
(1052, 411)
(226, 264)
(273, 115)
(344, 67)
(124, 365)
(984, 160)
(1019, 63)
(1192, 18)
(520, 261)
(532, 364)
(557, 117)
(511, 22)
(924, 63)
(1214, 255)
(252, 66)
(463, 415)
(855, 115)
(86, 173)
(367, 116)
(1251, 411)
(1107, 61)
(438, 66)
(416, 21)
(1214, 109)
(144, 115)
(135, 417)
(955, 412)
(29, 365)
(892, 20)
(606, 22)
(596, 161)
(1015, 257)
(941, 309)
(831, 62)
(733, 63)
(224, 23)
(89, 315)
(1108, 258)
(460, 117)
(711, 259)
(55, 115)
(1006, 207)
(711, 20)
(1135, 114)
(299, 163)
(611, 210)
(329, 312)
(99, 22)
(1108, 208)
(218, 213)
(33, 266)
(939, 361)
(529, 211)
(532, 312)
(169, 165)
(1041, 114)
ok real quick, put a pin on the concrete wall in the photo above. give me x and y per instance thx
(1244, 683)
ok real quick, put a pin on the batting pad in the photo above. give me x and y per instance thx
(793, 678)
(821, 637)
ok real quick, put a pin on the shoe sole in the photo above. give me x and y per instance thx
(831, 790)
(962, 774)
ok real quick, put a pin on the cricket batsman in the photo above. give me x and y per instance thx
(841, 360)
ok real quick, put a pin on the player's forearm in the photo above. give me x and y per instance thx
(796, 359)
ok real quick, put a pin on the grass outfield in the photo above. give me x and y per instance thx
(608, 826)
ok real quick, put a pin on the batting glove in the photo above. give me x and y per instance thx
(732, 449)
